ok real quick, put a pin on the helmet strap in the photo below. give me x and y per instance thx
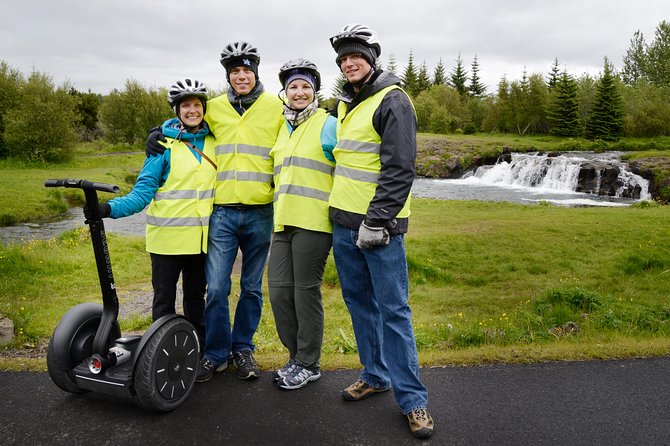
(358, 85)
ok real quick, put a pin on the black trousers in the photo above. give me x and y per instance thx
(165, 271)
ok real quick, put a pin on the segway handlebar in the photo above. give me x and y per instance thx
(82, 184)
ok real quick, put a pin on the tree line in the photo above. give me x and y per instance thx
(41, 122)
(633, 102)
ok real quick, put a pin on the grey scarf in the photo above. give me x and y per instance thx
(242, 103)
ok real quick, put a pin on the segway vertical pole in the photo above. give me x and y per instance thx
(110, 301)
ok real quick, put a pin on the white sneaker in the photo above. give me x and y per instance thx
(280, 373)
(297, 377)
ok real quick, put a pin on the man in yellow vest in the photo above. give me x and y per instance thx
(369, 206)
(245, 122)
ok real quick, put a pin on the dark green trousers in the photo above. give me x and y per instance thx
(295, 272)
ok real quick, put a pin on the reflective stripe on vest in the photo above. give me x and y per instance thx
(177, 221)
(303, 177)
(244, 176)
(357, 155)
(243, 144)
(184, 194)
(178, 216)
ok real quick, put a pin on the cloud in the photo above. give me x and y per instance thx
(100, 45)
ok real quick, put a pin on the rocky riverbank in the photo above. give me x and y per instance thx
(440, 157)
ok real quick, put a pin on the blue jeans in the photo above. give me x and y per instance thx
(230, 228)
(374, 286)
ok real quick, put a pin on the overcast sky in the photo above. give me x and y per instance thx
(99, 44)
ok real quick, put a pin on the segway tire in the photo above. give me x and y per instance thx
(166, 367)
(72, 342)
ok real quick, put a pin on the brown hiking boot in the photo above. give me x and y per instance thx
(420, 423)
(359, 391)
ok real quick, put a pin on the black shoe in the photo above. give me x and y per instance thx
(246, 365)
(207, 369)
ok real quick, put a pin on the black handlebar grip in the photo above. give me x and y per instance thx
(82, 184)
(53, 183)
(106, 187)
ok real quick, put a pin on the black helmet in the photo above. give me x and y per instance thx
(295, 66)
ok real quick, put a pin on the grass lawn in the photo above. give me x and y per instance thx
(488, 281)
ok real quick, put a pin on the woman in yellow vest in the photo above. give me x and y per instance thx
(303, 169)
(179, 187)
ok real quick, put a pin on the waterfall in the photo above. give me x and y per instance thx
(591, 173)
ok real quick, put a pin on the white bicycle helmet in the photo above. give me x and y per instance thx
(185, 88)
(239, 50)
(296, 65)
(357, 32)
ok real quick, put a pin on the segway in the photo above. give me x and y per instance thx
(87, 352)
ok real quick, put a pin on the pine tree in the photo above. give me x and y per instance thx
(439, 76)
(538, 98)
(503, 106)
(410, 77)
(423, 80)
(392, 66)
(606, 118)
(554, 74)
(459, 77)
(477, 89)
(519, 104)
(563, 112)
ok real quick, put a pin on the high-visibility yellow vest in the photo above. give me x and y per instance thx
(178, 215)
(243, 144)
(357, 157)
(303, 177)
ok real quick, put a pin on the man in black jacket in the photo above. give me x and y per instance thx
(369, 207)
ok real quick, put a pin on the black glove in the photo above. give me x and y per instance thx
(103, 211)
(154, 148)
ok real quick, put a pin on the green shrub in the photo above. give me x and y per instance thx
(43, 126)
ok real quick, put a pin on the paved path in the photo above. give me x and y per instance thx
(558, 403)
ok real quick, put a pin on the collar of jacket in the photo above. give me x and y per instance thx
(380, 79)
(244, 102)
(173, 128)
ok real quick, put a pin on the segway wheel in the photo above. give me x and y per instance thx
(165, 370)
(72, 342)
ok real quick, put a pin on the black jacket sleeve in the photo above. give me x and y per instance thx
(395, 122)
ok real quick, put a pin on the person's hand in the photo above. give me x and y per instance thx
(369, 237)
(154, 147)
(103, 211)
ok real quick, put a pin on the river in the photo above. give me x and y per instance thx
(516, 182)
